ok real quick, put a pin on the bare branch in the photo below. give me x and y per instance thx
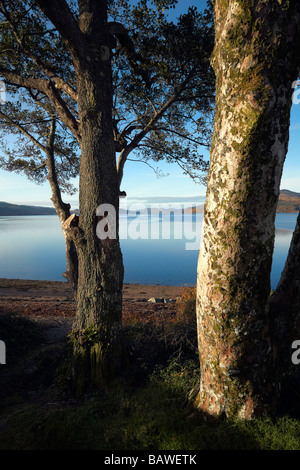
(158, 172)
(173, 131)
(22, 130)
(138, 137)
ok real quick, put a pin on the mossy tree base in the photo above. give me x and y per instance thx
(95, 364)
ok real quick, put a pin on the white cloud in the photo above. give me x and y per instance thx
(293, 184)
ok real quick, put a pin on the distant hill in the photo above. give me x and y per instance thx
(289, 201)
(16, 209)
(195, 210)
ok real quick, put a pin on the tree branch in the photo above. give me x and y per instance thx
(47, 87)
(138, 137)
(62, 209)
(27, 82)
(59, 82)
(23, 131)
(121, 33)
(173, 131)
(62, 18)
(158, 173)
(63, 110)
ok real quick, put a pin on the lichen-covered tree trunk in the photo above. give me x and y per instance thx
(97, 329)
(255, 61)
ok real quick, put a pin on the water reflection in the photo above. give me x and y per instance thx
(154, 252)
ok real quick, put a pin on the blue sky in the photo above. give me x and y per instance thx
(291, 173)
(141, 182)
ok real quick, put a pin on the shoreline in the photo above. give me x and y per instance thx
(54, 299)
(51, 305)
(7, 285)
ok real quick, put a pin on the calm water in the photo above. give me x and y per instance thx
(32, 247)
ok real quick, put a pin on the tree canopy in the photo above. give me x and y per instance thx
(162, 82)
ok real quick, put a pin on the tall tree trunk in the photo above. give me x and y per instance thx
(63, 212)
(255, 61)
(97, 330)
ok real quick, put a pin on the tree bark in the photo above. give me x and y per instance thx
(71, 273)
(97, 329)
(63, 212)
(255, 60)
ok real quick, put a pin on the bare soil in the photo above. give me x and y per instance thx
(52, 305)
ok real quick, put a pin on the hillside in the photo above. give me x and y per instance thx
(289, 201)
(16, 209)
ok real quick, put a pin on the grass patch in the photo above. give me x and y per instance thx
(155, 416)
(149, 407)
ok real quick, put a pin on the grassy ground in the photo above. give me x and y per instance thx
(148, 408)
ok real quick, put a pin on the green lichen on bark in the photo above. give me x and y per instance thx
(97, 356)
(253, 62)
